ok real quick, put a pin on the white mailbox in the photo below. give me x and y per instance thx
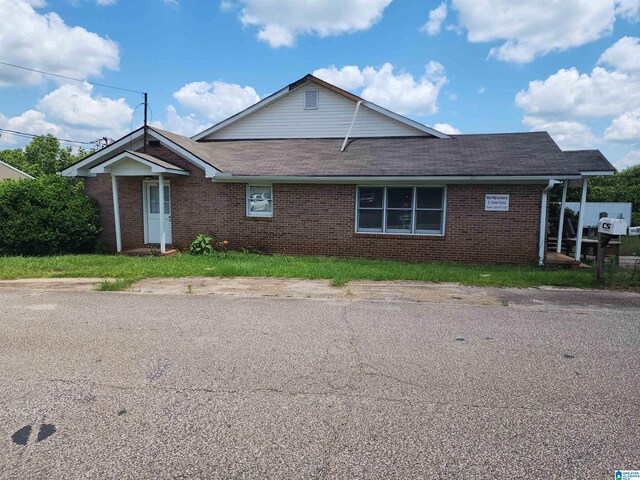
(612, 226)
(634, 230)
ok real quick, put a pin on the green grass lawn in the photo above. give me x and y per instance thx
(130, 269)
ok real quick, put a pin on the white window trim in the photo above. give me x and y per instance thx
(304, 98)
(248, 211)
(413, 212)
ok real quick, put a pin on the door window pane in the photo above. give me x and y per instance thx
(399, 197)
(260, 201)
(154, 200)
(371, 197)
(429, 198)
(429, 221)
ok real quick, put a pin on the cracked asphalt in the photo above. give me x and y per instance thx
(122, 385)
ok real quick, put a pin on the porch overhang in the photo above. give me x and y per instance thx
(134, 164)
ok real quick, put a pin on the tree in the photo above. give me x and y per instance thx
(623, 186)
(43, 156)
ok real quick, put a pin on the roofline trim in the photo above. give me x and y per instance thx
(387, 180)
(17, 170)
(303, 81)
(597, 173)
(155, 168)
(77, 168)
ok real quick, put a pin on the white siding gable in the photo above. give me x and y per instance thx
(287, 118)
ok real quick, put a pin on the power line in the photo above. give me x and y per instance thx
(69, 78)
(32, 135)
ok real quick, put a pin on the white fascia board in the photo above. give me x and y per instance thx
(209, 170)
(11, 167)
(240, 115)
(79, 169)
(405, 120)
(596, 174)
(104, 167)
(395, 180)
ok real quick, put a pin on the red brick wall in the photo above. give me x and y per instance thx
(320, 219)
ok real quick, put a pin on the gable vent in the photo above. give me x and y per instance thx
(310, 99)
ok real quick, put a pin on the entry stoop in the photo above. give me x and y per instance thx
(558, 260)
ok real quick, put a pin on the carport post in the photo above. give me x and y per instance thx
(161, 199)
(116, 212)
(563, 205)
(583, 207)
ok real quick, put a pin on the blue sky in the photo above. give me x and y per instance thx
(461, 65)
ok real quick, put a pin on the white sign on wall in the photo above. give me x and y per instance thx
(496, 202)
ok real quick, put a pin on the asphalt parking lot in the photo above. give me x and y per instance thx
(125, 385)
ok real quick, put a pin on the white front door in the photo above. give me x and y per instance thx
(152, 212)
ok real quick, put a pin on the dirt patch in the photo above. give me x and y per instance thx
(318, 289)
(58, 284)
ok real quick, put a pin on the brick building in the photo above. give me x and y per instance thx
(315, 170)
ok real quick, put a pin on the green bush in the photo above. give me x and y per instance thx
(45, 216)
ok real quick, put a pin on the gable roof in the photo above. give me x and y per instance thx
(486, 155)
(14, 172)
(303, 81)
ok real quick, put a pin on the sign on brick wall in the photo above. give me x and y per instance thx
(496, 202)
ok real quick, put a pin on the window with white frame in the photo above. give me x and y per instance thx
(417, 210)
(259, 201)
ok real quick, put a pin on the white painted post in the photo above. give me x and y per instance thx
(161, 199)
(116, 212)
(563, 205)
(583, 208)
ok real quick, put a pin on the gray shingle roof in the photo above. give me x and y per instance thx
(509, 154)
(155, 160)
(588, 160)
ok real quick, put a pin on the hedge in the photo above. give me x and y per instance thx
(46, 216)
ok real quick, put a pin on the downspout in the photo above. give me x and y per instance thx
(543, 221)
(353, 120)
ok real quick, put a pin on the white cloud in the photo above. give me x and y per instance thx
(30, 121)
(531, 28)
(399, 92)
(569, 93)
(568, 134)
(624, 55)
(447, 128)
(216, 100)
(348, 77)
(628, 9)
(631, 159)
(436, 17)
(187, 125)
(482, 90)
(74, 106)
(106, 2)
(226, 5)
(625, 127)
(45, 42)
(281, 21)
(72, 112)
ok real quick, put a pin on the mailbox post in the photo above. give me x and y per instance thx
(608, 228)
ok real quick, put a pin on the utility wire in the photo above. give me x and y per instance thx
(32, 135)
(69, 78)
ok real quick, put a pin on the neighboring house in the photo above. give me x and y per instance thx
(7, 171)
(316, 170)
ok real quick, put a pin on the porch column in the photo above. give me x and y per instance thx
(161, 199)
(563, 205)
(116, 212)
(583, 208)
